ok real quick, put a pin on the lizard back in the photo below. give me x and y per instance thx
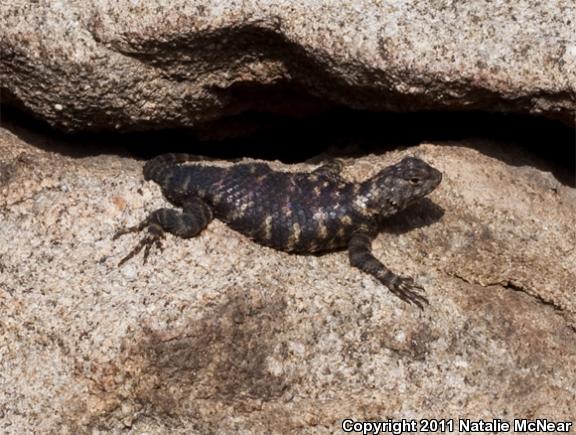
(293, 212)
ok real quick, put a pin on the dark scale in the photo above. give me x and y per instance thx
(293, 212)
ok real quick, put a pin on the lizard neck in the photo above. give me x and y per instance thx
(377, 198)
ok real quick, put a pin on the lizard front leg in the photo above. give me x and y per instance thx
(360, 253)
(189, 222)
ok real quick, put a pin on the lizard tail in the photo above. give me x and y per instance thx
(154, 169)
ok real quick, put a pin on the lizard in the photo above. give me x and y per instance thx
(296, 212)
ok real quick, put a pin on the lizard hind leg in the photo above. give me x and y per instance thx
(360, 253)
(189, 222)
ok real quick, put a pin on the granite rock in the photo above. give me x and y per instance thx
(218, 334)
(135, 65)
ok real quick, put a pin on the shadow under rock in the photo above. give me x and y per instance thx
(517, 140)
(421, 214)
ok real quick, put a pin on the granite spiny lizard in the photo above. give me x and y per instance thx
(293, 212)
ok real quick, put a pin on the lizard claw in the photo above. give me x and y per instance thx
(408, 291)
(134, 229)
(152, 239)
(149, 241)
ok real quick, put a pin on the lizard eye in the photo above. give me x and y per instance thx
(414, 180)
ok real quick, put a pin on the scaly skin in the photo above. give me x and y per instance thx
(293, 212)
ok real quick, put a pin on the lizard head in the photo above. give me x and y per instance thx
(397, 186)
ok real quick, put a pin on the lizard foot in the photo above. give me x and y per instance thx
(407, 290)
(153, 238)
